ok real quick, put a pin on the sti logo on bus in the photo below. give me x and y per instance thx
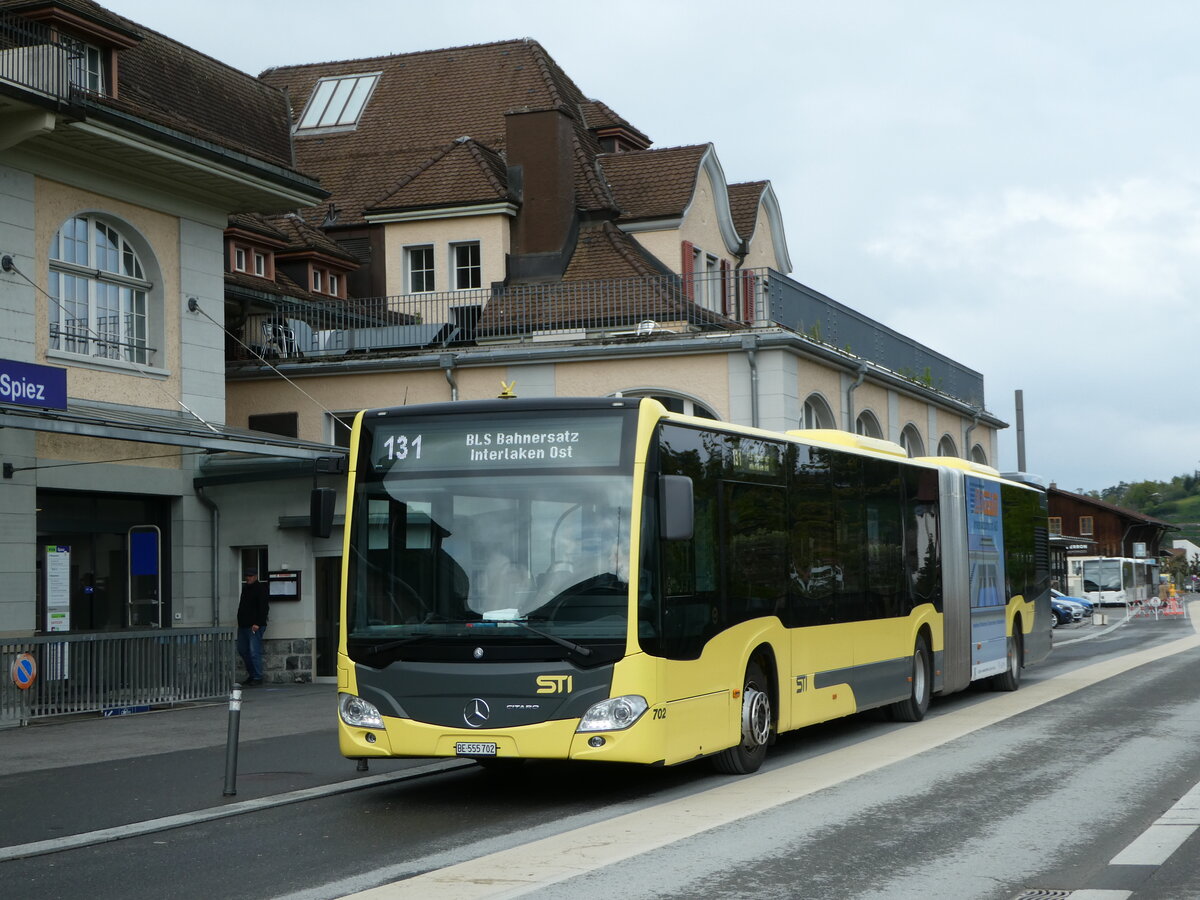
(555, 684)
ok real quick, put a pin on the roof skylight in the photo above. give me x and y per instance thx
(337, 102)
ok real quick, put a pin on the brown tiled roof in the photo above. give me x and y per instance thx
(282, 285)
(302, 237)
(257, 224)
(653, 184)
(166, 83)
(744, 199)
(462, 173)
(423, 101)
(598, 115)
(603, 254)
(604, 251)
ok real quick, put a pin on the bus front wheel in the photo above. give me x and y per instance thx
(913, 708)
(756, 722)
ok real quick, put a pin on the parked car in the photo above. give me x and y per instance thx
(1088, 605)
(1062, 613)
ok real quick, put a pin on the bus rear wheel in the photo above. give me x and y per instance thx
(757, 722)
(913, 708)
(1010, 679)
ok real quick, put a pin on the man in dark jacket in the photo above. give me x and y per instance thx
(253, 609)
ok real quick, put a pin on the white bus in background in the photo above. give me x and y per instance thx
(1113, 580)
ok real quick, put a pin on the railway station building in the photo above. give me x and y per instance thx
(406, 229)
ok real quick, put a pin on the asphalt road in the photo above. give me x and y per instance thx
(984, 799)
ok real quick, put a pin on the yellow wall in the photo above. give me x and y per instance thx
(95, 380)
(492, 231)
(761, 253)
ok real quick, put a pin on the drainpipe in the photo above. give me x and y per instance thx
(216, 556)
(749, 344)
(860, 374)
(447, 362)
(967, 438)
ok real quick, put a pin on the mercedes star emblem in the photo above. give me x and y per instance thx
(476, 713)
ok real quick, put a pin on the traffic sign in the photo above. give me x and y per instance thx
(24, 671)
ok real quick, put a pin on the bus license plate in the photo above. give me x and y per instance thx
(474, 749)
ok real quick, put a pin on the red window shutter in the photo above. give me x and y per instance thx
(749, 283)
(688, 270)
(727, 302)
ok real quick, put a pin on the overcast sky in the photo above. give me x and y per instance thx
(1013, 184)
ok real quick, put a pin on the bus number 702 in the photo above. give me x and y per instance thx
(397, 447)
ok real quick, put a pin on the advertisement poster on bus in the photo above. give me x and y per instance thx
(985, 553)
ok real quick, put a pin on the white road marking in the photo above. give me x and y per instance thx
(1101, 895)
(1154, 846)
(520, 870)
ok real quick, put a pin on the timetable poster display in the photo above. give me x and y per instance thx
(985, 543)
(58, 587)
(456, 443)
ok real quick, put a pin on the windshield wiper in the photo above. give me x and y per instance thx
(562, 642)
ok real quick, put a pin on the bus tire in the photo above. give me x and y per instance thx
(913, 708)
(1010, 680)
(757, 723)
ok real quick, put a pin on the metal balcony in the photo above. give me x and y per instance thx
(583, 311)
(33, 59)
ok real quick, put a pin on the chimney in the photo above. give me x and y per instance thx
(541, 172)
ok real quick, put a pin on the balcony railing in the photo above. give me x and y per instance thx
(32, 58)
(593, 310)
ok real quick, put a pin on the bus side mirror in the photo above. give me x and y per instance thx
(320, 512)
(675, 507)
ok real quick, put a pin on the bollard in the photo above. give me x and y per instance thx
(231, 742)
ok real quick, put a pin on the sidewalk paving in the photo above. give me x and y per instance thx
(267, 711)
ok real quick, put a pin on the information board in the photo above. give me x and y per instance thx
(454, 443)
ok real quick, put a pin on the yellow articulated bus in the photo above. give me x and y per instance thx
(601, 579)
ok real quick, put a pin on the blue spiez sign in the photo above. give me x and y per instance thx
(29, 384)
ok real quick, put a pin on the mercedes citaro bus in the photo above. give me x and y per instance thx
(601, 579)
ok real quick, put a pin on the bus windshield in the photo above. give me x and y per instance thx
(489, 549)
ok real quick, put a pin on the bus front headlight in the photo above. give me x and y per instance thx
(357, 712)
(613, 715)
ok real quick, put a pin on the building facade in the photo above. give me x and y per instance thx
(114, 201)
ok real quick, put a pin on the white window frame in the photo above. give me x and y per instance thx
(337, 103)
(816, 413)
(85, 63)
(239, 259)
(317, 281)
(100, 298)
(334, 284)
(428, 271)
(260, 264)
(911, 440)
(471, 268)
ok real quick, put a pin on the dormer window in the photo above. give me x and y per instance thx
(239, 259)
(260, 265)
(85, 63)
(337, 103)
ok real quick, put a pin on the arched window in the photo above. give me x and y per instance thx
(946, 446)
(677, 403)
(867, 425)
(99, 292)
(977, 455)
(910, 440)
(816, 413)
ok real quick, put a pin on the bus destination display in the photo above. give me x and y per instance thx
(423, 445)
